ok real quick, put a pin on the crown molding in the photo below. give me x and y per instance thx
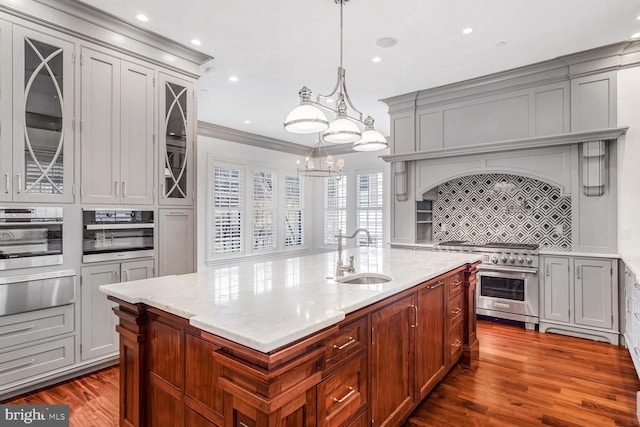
(610, 134)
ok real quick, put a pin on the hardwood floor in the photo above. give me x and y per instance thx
(524, 378)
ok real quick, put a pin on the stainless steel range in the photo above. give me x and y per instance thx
(507, 279)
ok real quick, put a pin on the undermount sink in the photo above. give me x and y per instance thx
(364, 278)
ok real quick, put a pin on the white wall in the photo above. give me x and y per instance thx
(246, 155)
(628, 162)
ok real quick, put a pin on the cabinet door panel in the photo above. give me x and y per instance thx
(593, 300)
(392, 362)
(430, 337)
(137, 134)
(176, 241)
(99, 336)
(176, 141)
(556, 289)
(100, 135)
(137, 270)
(43, 77)
(6, 167)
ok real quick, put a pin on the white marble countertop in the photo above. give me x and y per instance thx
(265, 305)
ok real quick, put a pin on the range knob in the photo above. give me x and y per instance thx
(503, 258)
(520, 260)
(494, 260)
(529, 260)
(512, 260)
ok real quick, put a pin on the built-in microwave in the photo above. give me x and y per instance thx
(116, 234)
(30, 237)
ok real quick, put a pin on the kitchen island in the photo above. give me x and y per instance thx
(270, 343)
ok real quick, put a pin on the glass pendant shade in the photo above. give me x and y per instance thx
(306, 118)
(342, 131)
(371, 140)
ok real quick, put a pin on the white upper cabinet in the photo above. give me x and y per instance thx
(177, 128)
(43, 109)
(117, 130)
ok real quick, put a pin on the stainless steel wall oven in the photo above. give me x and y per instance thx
(115, 234)
(30, 237)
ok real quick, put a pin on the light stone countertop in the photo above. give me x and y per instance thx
(265, 305)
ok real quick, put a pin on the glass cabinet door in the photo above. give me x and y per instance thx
(176, 134)
(43, 109)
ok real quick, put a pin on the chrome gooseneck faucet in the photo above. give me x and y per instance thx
(340, 266)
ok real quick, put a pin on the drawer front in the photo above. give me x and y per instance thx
(455, 309)
(349, 339)
(342, 394)
(455, 342)
(35, 325)
(36, 359)
(454, 282)
(360, 421)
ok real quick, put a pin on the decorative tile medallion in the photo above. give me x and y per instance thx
(504, 208)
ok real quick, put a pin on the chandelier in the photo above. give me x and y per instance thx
(345, 129)
(315, 167)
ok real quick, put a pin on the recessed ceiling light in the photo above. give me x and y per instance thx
(376, 59)
(142, 17)
(501, 44)
(386, 42)
(204, 90)
(638, 18)
(635, 36)
(233, 79)
(467, 30)
(196, 42)
(247, 122)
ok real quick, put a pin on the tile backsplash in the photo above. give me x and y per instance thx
(505, 208)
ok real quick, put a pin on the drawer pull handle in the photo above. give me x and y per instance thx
(456, 283)
(456, 311)
(636, 350)
(637, 285)
(21, 365)
(636, 315)
(346, 396)
(457, 344)
(440, 283)
(345, 345)
(242, 424)
(26, 328)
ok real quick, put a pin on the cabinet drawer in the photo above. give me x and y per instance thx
(360, 421)
(455, 342)
(349, 339)
(454, 282)
(343, 393)
(34, 325)
(35, 359)
(455, 309)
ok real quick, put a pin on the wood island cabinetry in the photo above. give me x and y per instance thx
(372, 368)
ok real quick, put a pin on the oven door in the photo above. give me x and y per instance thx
(30, 243)
(510, 293)
(104, 242)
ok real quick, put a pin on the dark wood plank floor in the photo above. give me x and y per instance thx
(523, 378)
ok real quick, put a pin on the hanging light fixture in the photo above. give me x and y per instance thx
(320, 164)
(308, 118)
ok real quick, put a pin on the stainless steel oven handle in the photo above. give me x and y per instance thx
(35, 223)
(508, 270)
(116, 226)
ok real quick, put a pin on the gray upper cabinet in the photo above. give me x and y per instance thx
(177, 128)
(117, 130)
(43, 108)
(5, 112)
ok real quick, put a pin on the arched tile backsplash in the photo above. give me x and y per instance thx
(504, 208)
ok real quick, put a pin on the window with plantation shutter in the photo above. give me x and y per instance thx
(264, 211)
(335, 208)
(293, 223)
(369, 207)
(228, 210)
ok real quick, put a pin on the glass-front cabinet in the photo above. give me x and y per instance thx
(176, 141)
(42, 117)
(6, 192)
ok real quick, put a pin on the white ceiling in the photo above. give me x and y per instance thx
(276, 47)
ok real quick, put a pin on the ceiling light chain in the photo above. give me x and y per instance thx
(309, 118)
